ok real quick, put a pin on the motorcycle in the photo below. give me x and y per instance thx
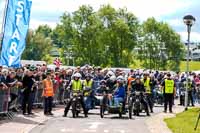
(134, 104)
(104, 106)
(76, 105)
(159, 97)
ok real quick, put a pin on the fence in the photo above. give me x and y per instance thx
(4, 101)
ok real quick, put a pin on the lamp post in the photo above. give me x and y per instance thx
(189, 20)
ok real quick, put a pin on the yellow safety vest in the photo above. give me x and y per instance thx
(147, 85)
(88, 84)
(76, 85)
(169, 86)
(189, 86)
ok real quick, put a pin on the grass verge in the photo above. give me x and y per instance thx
(184, 122)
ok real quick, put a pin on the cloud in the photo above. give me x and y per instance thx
(2, 6)
(195, 36)
(141, 8)
(34, 23)
(175, 22)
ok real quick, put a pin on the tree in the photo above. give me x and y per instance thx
(37, 47)
(120, 31)
(45, 30)
(159, 45)
(108, 37)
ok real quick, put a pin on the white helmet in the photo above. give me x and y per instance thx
(112, 78)
(78, 75)
(120, 79)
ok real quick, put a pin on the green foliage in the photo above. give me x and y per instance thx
(184, 122)
(159, 46)
(37, 47)
(107, 37)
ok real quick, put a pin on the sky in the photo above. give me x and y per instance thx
(170, 11)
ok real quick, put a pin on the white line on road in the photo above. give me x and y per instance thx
(122, 131)
(105, 131)
(66, 130)
(94, 125)
(63, 130)
(89, 131)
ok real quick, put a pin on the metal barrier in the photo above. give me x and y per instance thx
(14, 91)
(4, 100)
(38, 99)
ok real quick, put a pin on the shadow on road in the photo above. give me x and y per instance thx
(19, 119)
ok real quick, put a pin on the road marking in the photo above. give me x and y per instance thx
(66, 130)
(105, 131)
(122, 131)
(88, 130)
(94, 125)
(63, 130)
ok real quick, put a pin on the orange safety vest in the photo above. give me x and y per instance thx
(48, 88)
(130, 79)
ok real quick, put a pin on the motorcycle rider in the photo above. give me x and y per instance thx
(89, 91)
(119, 93)
(147, 84)
(139, 86)
(76, 85)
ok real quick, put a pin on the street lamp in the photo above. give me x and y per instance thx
(189, 20)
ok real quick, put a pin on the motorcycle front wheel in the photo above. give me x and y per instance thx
(74, 113)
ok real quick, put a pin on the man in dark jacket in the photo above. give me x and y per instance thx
(28, 93)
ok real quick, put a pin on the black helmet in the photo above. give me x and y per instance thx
(88, 75)
(103, 82)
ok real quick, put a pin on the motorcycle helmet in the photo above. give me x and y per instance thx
(120, 79)
(112, 78)
(103, 82)
(77, 75)
(88, 76)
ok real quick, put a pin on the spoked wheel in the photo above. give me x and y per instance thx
(102, 111)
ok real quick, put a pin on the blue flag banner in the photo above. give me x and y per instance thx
(15, 29)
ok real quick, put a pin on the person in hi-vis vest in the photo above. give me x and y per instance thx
(147, 85)
(191, 86)
(89, 91)
(76, 85)
(168, 92)
(48, 94)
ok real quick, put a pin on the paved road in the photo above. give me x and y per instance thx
(94, 124)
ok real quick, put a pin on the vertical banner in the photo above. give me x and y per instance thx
(15, 29)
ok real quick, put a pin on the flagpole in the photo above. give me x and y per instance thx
(4, 21)
(3, 24)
